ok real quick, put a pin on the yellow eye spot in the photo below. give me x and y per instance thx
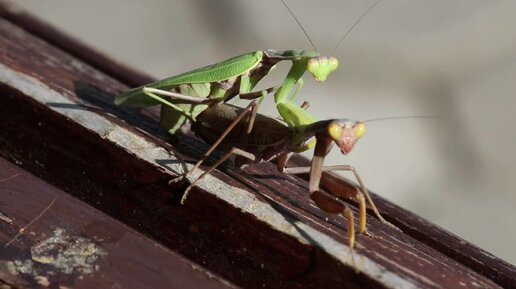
(334, 130)
(360, 130)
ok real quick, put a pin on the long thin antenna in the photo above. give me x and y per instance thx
(299, 23)
(354, 24)
(401, 117)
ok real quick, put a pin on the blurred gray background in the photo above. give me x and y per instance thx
(455, 59)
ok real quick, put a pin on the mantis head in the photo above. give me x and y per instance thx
(321, 66)
(345, 133)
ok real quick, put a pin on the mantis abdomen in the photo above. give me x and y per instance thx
(267, 133)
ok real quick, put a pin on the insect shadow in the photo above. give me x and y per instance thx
(96, 99)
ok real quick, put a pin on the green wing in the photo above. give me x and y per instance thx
(171, 120)
(213, 73)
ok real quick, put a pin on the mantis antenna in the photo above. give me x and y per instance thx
(400, 117)
(352, 26)
(299, 23)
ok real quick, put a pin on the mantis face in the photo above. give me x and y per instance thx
(321, 66)
(345, 133)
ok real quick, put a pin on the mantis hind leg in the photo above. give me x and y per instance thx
(177, 108)
(158, 93)
(252, 108)
(233, 151)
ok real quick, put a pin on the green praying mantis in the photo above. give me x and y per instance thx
(237, 76)
(200, 96)
(223, 81)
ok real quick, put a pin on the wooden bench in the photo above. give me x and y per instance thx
(85, 200)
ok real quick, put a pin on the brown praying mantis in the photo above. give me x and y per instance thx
(254, 137)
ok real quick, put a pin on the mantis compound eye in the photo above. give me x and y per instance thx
(320, 67)
(335, 130)
(360, 130)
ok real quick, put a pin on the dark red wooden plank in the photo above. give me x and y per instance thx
(69, 244)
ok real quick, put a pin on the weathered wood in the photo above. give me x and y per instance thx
(427, 233)
(253, 228)
(73, 245)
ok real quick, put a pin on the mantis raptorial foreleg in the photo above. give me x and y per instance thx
(296, 89)
(330, 204)
(359, 197)
(283, 158)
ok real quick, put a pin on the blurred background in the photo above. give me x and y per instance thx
(453, 59)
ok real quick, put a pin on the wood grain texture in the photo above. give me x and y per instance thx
(253, 227)
(73, 245)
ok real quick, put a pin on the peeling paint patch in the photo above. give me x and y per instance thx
(67, 253)
(63, 253)
(18, 267)
(5, 218)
